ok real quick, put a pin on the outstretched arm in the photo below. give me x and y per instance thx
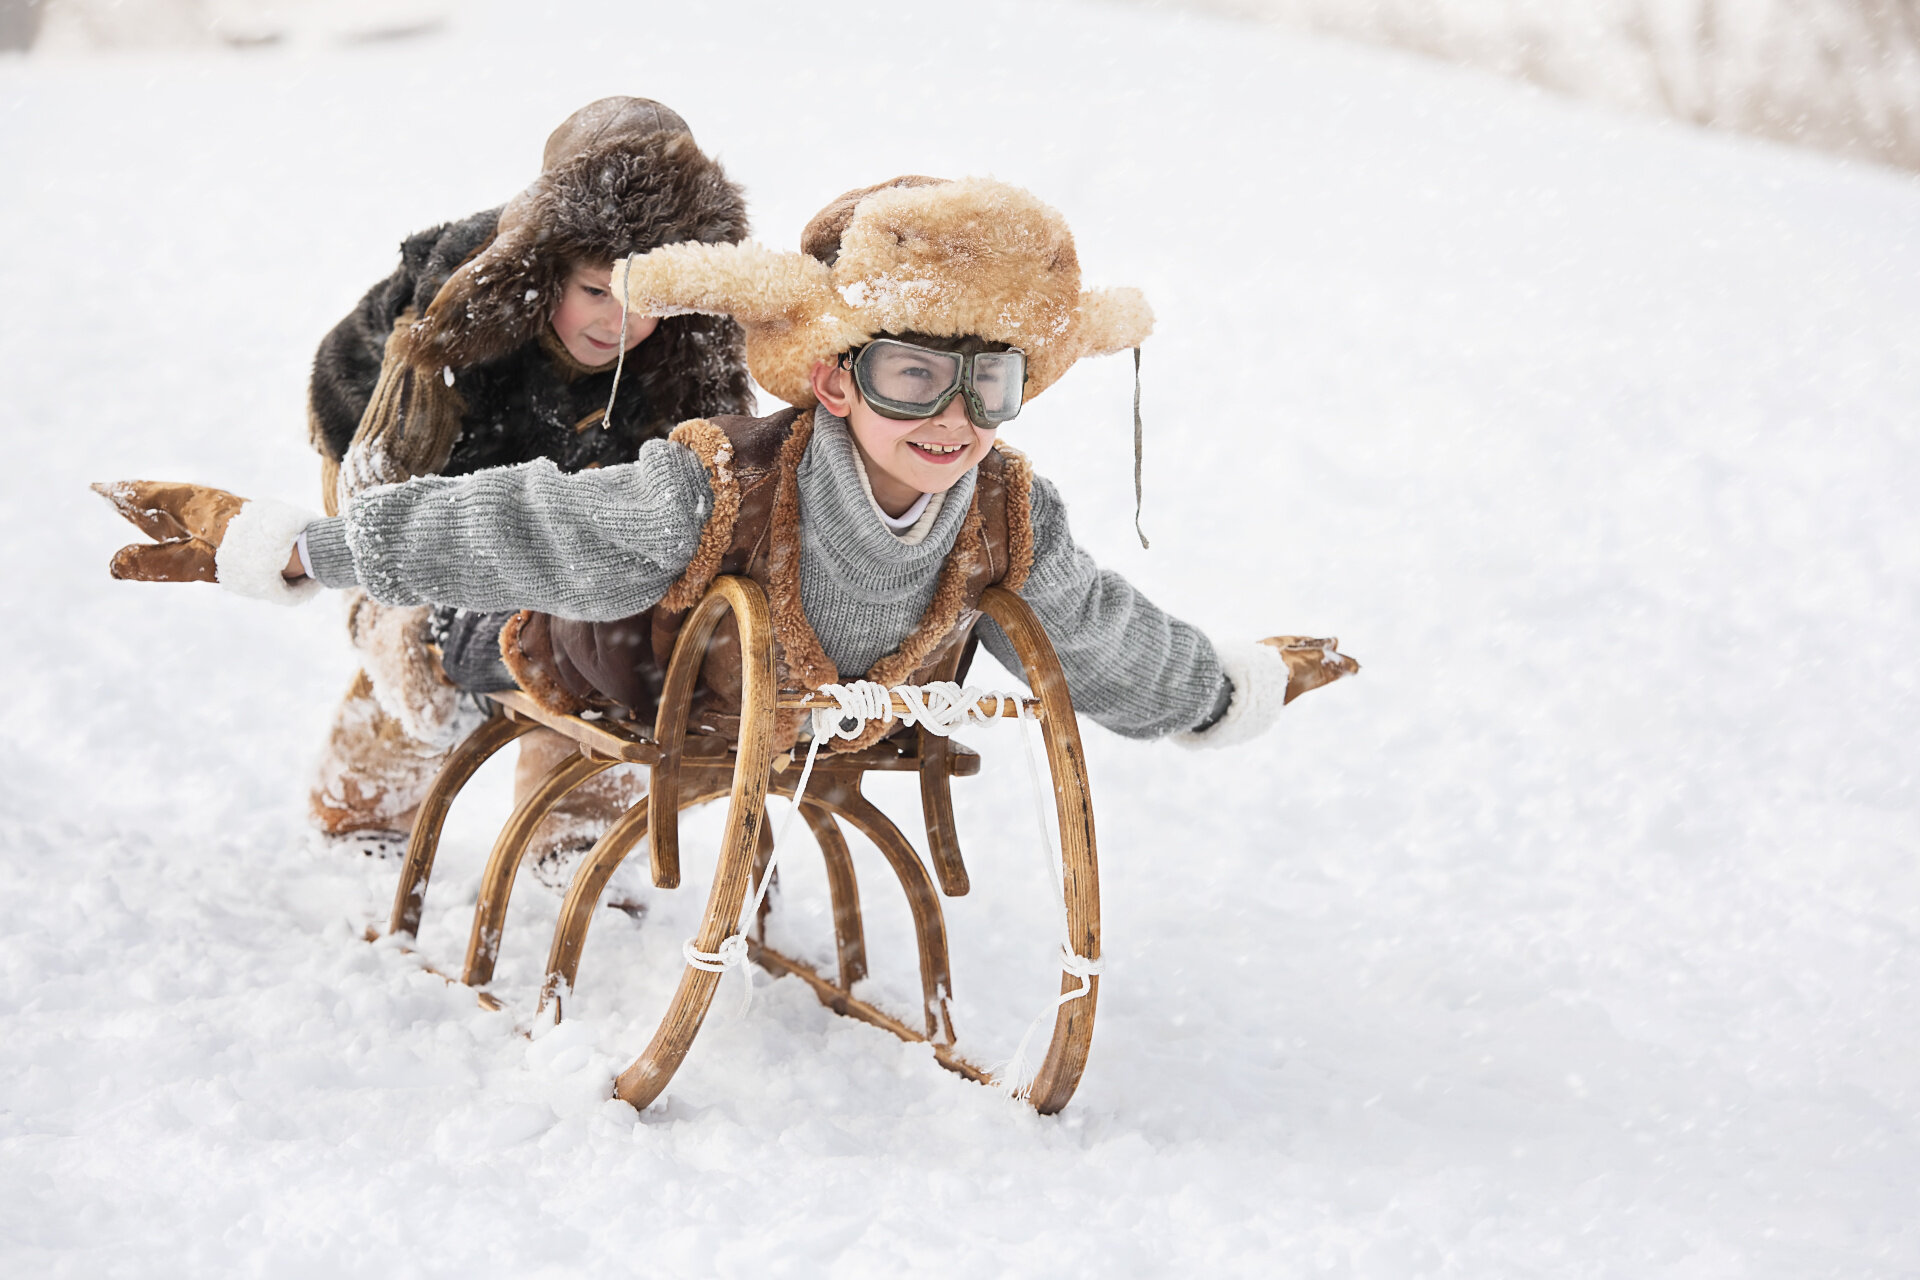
(1142, 672)
(598, 545)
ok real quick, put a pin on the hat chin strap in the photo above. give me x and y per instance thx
(620, 362)
(1137, 434)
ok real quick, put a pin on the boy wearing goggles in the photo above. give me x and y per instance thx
(875, 511)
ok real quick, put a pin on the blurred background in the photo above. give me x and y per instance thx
(1840, 75)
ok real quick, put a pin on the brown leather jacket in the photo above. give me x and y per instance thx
(754, 530)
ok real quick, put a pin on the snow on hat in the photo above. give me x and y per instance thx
(913, 255)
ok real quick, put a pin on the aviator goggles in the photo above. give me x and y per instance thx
(903, 381)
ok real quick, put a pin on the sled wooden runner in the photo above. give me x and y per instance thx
(691, 770)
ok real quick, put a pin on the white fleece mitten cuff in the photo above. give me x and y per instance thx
(1259, 677)
(254, 551)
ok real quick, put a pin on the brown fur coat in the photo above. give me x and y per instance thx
(472, 298)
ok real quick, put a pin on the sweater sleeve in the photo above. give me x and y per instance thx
(596, 545)
(1130, 666)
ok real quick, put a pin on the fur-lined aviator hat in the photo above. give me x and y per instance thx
(911, 256)
(619, 176)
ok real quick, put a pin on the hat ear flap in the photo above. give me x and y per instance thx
(1112, 320)
(495, 302)
(755, 285)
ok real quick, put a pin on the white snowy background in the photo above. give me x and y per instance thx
(1843, 75)
(1578, 937)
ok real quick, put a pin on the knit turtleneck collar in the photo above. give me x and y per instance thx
(838, 518)
(913, 524)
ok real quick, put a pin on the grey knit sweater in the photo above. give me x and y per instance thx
(606, 543)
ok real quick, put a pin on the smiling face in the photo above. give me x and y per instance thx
(904, 459)
(587, 321)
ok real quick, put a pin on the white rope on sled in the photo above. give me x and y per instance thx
(941, 708)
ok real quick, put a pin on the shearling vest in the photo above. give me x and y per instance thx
(753, 466)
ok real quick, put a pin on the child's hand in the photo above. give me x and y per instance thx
(186, 521)
(1311, 663)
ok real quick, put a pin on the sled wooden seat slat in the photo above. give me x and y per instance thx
(624, 742)
(612, 739)
(688, 770)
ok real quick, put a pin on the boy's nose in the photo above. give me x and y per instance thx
(954, 415)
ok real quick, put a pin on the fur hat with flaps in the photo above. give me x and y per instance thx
(914, 255)
(620, 176)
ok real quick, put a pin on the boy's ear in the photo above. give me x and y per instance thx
(832, 386)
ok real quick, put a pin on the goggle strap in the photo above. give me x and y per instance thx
(1138, 433)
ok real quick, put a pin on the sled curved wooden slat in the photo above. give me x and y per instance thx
(843, 892)
(676, 697)
(496, 883)
(1066, 1056)
(480, 746)
(583, 896)
(838, 795)
(938, 757)
(643, 1080)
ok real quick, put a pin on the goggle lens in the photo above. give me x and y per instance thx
(999, 378)
(912, 375)
(901, 380)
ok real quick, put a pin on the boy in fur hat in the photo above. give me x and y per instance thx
(918, 319)
(497, 341)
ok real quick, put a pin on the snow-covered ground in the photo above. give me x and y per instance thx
(1578, 937)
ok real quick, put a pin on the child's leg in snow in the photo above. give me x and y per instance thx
(372, 775)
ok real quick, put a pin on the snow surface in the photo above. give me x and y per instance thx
(1578, 937)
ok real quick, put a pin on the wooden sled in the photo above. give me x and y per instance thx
(687, 771)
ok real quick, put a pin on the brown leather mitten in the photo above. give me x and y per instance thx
(1311, 662)
(186, 521)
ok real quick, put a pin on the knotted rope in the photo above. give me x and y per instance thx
(941, 708)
